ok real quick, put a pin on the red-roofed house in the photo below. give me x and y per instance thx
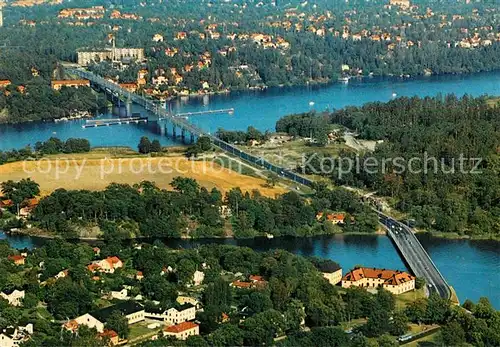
(4, 83)
(57, 85)
(396, 282)
(109, 335)
(182, 331)
(6, 203)
(17, 259)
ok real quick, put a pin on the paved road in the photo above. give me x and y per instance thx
(415, 255)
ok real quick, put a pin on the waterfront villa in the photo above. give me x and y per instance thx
(182, 331)
(396, 282)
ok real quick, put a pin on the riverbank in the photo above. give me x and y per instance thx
(456, 236)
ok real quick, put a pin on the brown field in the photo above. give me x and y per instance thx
(97, 169)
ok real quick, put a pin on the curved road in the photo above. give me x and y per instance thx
(415, 255)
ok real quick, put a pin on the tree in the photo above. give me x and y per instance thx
(119, 323)
(227, 335)
(399, 324)
(272, 179)
(155, 147)
(144, 145)
(204, 143)
(452, 334)
(419, 282)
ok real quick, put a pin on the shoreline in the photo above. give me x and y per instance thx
(42, 234)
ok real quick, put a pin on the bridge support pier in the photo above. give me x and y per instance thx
(183, 134)
(192, 138)
(174, 132)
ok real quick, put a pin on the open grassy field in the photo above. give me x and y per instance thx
(99, 168)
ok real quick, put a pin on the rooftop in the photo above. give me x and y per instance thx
(125, 308)
(179, 328)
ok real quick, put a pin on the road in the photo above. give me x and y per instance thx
(415, 255)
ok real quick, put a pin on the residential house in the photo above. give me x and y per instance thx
(198, 278)
(108, 265)
(88, 320)
(17, 259)
(58, 84)
(15, 336)
(6, 204)
(62, 274)
(120, 295)
(4, 83)
(158, 38)
(396, 282)
(188, 300)
(331, 271)
(139, 276)
(131, 87)
(182, 331)
(14, 297)
(131, 310)
(110, 335)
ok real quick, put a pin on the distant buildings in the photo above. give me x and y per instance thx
(58, 84)
(108, 265)
(124, 55)
(396, 282)
(17, 259)
(131, 310)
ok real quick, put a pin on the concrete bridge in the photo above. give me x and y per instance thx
(410, 248)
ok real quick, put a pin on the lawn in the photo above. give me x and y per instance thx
(140, 330)
(402, 300)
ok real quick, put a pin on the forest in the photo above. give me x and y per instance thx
(51, 146)
(143, 210)
(444, 194)
(295, 293)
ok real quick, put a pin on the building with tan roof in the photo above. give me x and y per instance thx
(394, 281)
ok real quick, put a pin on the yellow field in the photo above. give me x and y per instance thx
(96, 170)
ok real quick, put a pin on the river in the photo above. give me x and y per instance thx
(471, 267)
(260, 109)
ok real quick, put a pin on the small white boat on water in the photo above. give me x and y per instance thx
(270, 236)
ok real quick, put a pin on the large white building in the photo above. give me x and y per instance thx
(14, 336)
(397, 282)
(85, 58)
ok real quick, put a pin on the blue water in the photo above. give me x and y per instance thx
(471, 267)
(259, 109)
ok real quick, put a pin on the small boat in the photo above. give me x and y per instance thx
(270, 236)
(344, 79)
(311, 103)
(394, 95)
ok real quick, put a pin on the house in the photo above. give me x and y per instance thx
(198, 278)
(182, 331)
(14, 297)
(131, 87)
(241, 285)
(180, 313)
(87, 320)
(187, 300)
(58, 84)
(396, 282)
(15, 336)
(62, 274)
(120, 295)
(4, 83)
(97, 251)
(108, 265)
(17, 259)
(131, 310)
(139, 276)
(110, 335)
(330, 270)
(158, 38)
(334, 218)
(258, 281)
(6, 203)
(28, 206)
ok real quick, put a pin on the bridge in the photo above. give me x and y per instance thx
(415, 255)
(409, 246)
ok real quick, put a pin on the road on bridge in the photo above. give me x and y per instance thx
(415, 255)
